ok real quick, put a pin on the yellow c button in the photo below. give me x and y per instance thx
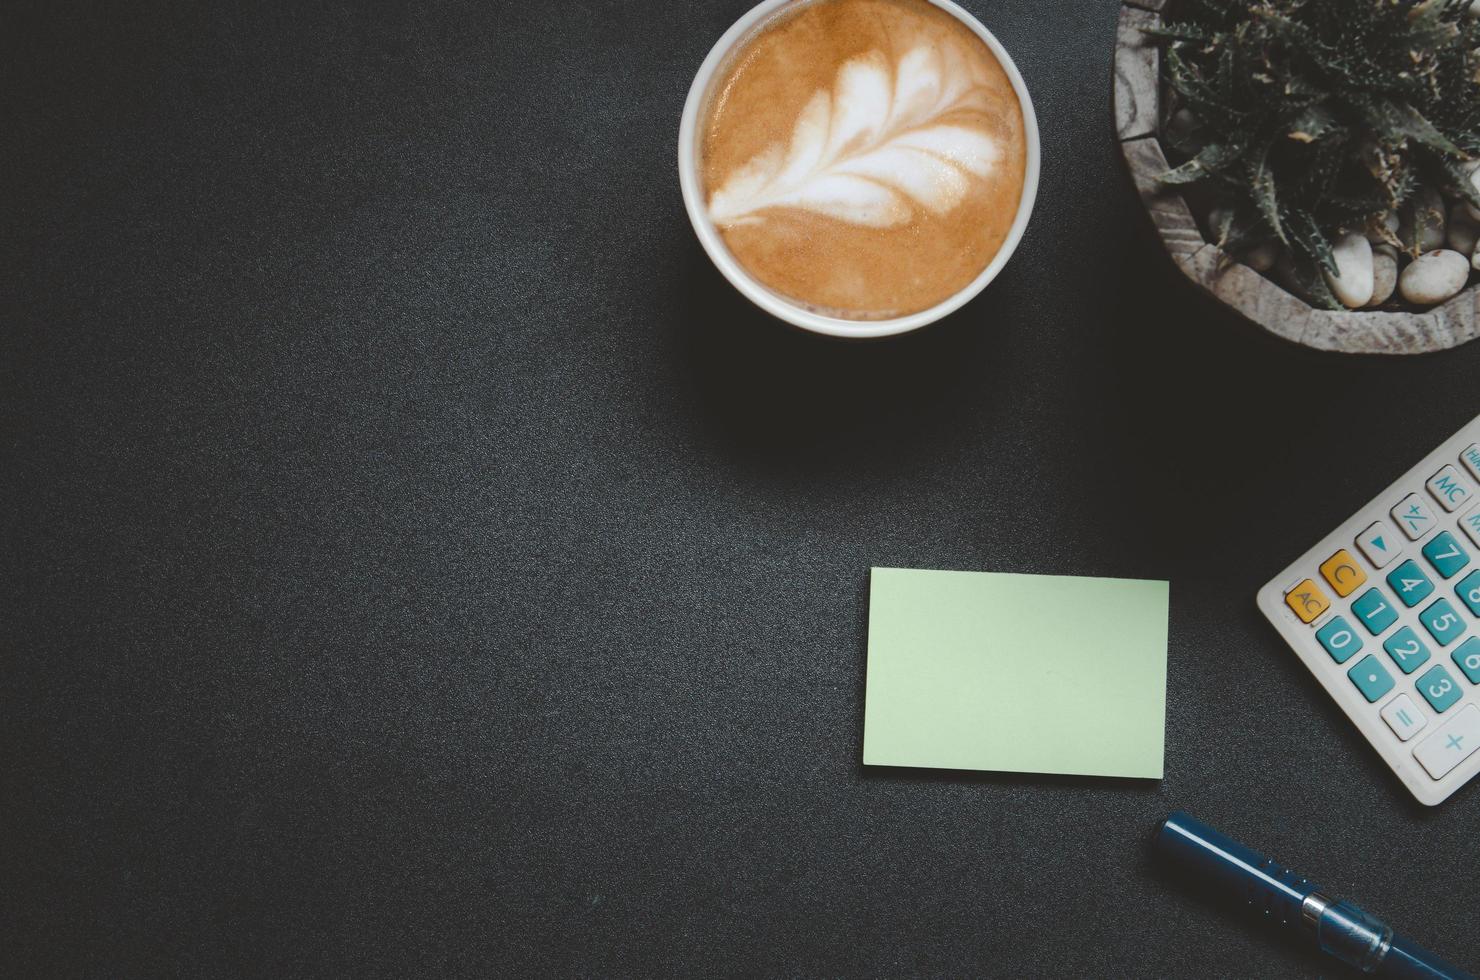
(1342, 571)
(1307, 600)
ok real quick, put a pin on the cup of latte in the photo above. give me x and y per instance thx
(858, 168)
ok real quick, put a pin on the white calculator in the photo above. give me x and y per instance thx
(1386, 613)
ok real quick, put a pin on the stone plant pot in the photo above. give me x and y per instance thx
(1138, 120)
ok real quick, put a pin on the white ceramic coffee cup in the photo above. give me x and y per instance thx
(774, 303)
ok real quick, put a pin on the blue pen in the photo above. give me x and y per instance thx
(1294, 903)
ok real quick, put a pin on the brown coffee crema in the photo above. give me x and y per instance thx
(863, 158)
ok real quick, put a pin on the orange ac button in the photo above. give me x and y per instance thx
(1342, 571)
(1307, 600)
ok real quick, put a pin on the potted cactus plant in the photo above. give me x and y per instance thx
(1330, 148)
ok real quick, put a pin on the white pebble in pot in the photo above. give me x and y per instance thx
(1262, 257)
(1353, 283)
(1473, 169)
(1462, 233)
(1434, 277)
(1384, 274)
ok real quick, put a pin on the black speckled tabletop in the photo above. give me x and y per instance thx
(416, 560)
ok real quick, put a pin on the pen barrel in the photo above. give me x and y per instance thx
(1352, 935)
(1233, 871)
(1407, 960)
(1369, 944)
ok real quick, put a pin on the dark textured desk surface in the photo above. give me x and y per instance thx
(417, 560)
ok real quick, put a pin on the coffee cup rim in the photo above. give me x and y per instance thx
(773, 303)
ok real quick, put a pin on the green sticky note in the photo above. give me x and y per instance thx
(1016, 673)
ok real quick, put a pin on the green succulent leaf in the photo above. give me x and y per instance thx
(1310, 116)
(1395, 121)
(1178, 32)
(1307, 276)
(1313, 123)
(1306, 239)
(1210, 160)
(1265, 195)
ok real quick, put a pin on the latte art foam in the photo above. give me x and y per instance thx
(864, 158)
(880, 144)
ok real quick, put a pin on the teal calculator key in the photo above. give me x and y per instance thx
(1446, 555)
(1467, 658)
(1371, 678)
(1340, 641)
(1411, 584)
(1439, 689)
(1469, 592)
(1406, 649)
(1443, 622)
(1376, 613)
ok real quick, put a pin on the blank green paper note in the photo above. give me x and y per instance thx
(1016, 673)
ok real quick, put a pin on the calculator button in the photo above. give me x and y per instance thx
(1469, 592)
(1410, 583)
(1470, 521)
(1439, 689)
(1375, 612)
(1342, 572)
(1446, 555)
(1451, 744)
(1308, 601)
(1450, 489)
(1403, 717)
(1407, 650)
(1339, 640)
(1380, 544)
(1414, 516)
(1371, 678)
(1471, 458)
(1466, 657)
(1443, 622)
